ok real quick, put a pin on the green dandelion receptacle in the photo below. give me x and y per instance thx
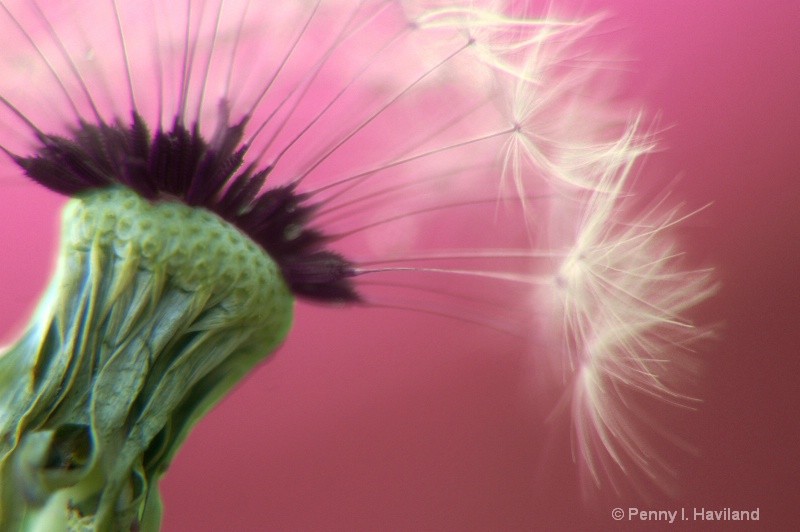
(156, 310)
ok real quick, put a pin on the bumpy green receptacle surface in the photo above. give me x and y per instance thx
(155, 312)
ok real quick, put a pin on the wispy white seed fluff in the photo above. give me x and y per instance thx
(619, 299)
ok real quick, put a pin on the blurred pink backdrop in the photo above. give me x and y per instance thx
(383, 420)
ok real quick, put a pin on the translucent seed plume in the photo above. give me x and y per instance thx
(620, 299)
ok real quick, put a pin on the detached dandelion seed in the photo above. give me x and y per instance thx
(225, 158)
(621, 293)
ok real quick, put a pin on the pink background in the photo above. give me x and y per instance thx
(379, 420)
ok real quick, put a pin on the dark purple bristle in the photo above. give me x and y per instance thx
(180, 163)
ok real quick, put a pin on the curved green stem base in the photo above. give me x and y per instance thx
(155, 312)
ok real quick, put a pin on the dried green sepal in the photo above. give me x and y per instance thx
(155, 312)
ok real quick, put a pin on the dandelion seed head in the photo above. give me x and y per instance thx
(346, 145)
